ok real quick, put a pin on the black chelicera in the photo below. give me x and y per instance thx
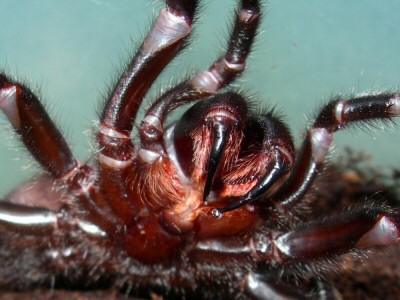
(212, 205)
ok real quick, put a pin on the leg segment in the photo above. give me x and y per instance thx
(20, 218)
(365, 228)
(161, 44)
(37, 131)
(259, 287)
(49, 148)
(338, 114)
(327, 238)
(41, 221)
(231, 65)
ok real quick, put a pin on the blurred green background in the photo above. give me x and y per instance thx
(307, 51)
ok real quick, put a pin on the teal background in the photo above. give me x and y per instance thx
(307, 51)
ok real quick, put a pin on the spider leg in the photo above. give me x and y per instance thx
(31, 220)
(231, 65)
(161, 44)
(40, 221)
(49, 148)
(334, 116)
(259, 287)
(37, 131)
(165, 39)
(365, 228)
(262, 286)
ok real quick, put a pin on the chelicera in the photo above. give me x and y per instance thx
(212, 205)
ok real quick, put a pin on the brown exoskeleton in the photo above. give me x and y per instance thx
(212, 205)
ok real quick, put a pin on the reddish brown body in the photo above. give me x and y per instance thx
(215, 204)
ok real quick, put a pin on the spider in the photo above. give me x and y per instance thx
(212, 205)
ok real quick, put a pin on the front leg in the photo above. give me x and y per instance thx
(364, 228)
(319, 241)
(336, 115)
(165, 39)
(47, 145)
(36, 129)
